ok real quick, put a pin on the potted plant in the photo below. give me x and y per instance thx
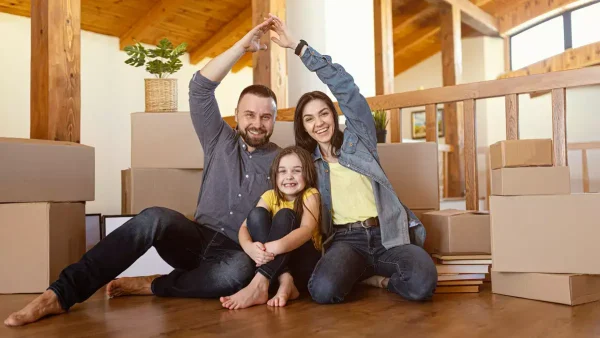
(380, 118)
(161, 92)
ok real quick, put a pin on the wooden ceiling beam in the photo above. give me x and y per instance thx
(473, 16)
(237, 27)
(136, 32)
(405, 45)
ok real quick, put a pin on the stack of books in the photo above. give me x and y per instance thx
(461, 273)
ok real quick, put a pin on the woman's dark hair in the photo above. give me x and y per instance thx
(302, 138)
(308, 172)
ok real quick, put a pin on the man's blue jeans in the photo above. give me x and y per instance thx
(356, 254)
(207, 264)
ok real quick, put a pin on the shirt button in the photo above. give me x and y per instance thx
(239, 195)
(250, 156)
(326, 170)
(246, 176)
(222, 229)
(351, 144)
(231, 212)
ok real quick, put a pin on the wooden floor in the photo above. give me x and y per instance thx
(371, 313)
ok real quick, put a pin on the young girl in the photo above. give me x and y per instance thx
(282, 233)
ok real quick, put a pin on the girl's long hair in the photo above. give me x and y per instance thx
(302, 138)
(308, 172)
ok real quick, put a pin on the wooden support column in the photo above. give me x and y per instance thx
(453, 113)
(55, 64)
(384, 62)
(270, 66)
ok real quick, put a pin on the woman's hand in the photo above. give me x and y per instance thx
(251, 41)
(285, 39)
(258, 253)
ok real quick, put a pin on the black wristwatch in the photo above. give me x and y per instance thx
(299, 47)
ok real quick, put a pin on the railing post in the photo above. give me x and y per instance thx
(470, 138)
(395, 125)
(431, 123)
(585, 171)
(512, 117)
(559, 126)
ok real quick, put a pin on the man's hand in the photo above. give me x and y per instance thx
(258, 253)
(285, 39)
(251, 41)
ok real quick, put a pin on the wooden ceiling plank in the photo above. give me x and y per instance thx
(136, 32)
(241, 23)
(473, 16)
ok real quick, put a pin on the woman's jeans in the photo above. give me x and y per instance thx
(356, 254)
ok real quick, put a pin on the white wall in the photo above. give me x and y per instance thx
(483, 60)
(110, 91)
(348, 38)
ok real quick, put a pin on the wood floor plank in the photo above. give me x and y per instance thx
(370, 313)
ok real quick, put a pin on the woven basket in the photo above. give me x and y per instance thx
(161, 95)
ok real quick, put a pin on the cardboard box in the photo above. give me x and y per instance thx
(165, 140)
(45, 171)
(420, 212)
(283, 134)
(548, 234)
(176, 189)
(531, 181)
(557, 288)
(454, 231)
(521, 153)
(412, 168)
(37, 241)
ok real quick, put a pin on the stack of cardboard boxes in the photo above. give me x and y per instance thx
(459, 242)
(544, 238)
(43, 189)
(166, 164)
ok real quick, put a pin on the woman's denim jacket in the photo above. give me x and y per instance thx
(359, 153)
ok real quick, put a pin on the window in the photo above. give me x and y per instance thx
(537, 43)
(586, 25)
(571, 29)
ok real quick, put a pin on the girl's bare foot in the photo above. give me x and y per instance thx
(44, 305)
(377, 281)
(130, 286)
(287, 291)
(257, 292)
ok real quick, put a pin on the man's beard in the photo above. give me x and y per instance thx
(252, 142)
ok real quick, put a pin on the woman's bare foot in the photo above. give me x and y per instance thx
(287, 291)
(257, 292)
(45, 304)
(125, 286)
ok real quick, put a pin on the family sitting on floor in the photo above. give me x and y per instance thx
(319, 216)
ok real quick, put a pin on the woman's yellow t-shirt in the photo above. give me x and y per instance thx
(273, 205)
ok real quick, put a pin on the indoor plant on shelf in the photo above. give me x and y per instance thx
(161, 92)
(380, 118)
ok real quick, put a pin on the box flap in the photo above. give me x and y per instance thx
(14, 140)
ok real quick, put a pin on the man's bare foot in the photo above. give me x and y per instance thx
(257, 292)
(45, 304)
(287, 291)
(130, 286)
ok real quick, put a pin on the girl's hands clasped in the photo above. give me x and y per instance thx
(258, 253)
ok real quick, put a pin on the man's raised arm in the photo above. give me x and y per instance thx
(206, 117)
